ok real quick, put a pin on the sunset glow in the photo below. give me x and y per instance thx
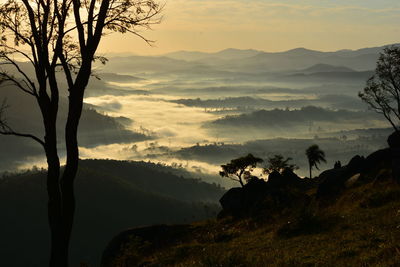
(213, 25)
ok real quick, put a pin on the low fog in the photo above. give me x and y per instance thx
(199, 110)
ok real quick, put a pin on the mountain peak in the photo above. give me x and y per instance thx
(300, 50)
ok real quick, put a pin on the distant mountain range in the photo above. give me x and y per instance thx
(251, 61)
(229, 53)
(232, 53)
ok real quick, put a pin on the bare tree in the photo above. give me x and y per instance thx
(54, 36)
(382, 92)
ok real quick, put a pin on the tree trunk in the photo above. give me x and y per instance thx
(67, 181)
(71, 142)
(58, 252)
(310, 170)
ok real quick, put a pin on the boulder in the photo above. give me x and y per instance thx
(259, 197)
(287, 179)
(232, 202)
(356, 165)
(376, 159)
(240, 201)
(275, 180)
(352, 180)
(394, 140)
(254, 193)
(332, 182)
(394, 144)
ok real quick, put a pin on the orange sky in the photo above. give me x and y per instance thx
(211, 25)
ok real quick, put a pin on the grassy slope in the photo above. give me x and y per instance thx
(360, 228)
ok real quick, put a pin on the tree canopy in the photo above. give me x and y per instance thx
(315, 156)
(279, 163)
(240, 169)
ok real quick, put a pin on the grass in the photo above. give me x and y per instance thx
(362, 228)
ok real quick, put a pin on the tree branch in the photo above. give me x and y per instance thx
(5, 129)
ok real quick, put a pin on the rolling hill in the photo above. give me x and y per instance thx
(110, 195)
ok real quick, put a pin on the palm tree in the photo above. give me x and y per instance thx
(315, 156)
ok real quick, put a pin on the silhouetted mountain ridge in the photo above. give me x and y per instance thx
(281, 117)
(325, 68)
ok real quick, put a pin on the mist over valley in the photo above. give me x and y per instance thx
(156, 107)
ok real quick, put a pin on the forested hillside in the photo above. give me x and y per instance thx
(111, 196)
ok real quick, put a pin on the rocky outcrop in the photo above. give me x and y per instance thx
(355, 165)
(333, 181)
(232, 202)
(394, 145)
(376, 159)
(258, 196)
(240, 200)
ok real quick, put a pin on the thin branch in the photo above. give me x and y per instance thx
(7, 77)
(17, 67)
(5, 129)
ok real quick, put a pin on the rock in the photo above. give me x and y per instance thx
(232, 202)
(254, 193)
(332, 182)
(394, 140)
(240, 201)
(352, 180)
(260, 197)
(356, 165)
(275, 180)
(287, 179)
(255, 186)
(376, 159)
(394, 144)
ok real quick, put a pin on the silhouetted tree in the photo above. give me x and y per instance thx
(279, 164)
(240, 169)
(314, 156)
(382, 92)
(61, 36)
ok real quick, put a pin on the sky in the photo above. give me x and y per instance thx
(213, 25)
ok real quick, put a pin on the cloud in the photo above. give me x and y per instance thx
(239, 13)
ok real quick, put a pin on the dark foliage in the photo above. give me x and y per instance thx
(279, 163)
(240, 169)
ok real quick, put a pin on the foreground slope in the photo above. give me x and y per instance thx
(357, 227)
